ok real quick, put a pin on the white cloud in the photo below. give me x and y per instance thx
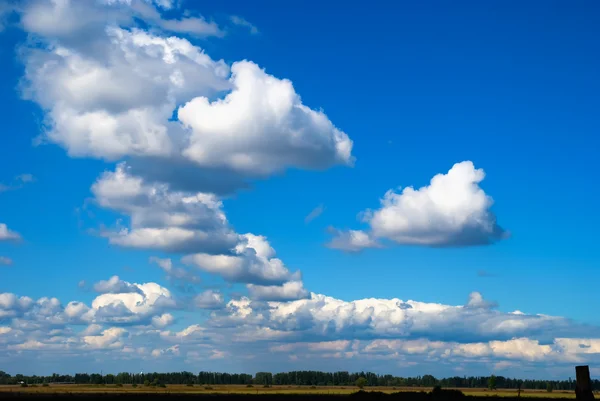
(209, 299)
(451, 211)
(289, 291)
(110, 91)
(11, 305)
(92, 330)
(163, 219)
(253, 263)
(174, 350)
(150, 301)
(69, 19)
(110, 338)
(114, 285)
(163, 320)
(261, 127)
(119, 102)
(8, 235)
(330, 318)
(476, 301)
(351, 240)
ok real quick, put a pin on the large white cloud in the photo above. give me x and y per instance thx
(451, 211)
(115, 95)
(261, 127)
(325, 317)
(321, 329)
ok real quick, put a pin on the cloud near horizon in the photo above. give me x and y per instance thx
(130, 326)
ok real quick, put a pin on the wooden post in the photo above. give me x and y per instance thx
(583, 390)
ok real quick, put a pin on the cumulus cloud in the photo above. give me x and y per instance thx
(163, 320)
(115, 285)
(111, 90)
(253, 262)
(209, 299)
(325, 317)
(476, 301)
(131, 307)
(319, 329)
(8, 235)
(451, 211)
(290, 291)
(220, 133)
(109, 338)
(12, 306)
(162, 219)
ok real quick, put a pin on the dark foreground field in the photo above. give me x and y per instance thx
(290, 393)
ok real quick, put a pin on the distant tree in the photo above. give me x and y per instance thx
(361, 382)
(492, 382)
(549, 387)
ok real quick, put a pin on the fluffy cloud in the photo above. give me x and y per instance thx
(320, 329)
(283, 132)
(109, 338)
(326, 318)
(11, 305)
(115, 95)
(131, 307)
(114, 285)
(253, 262)
(451, 211)
(8, 235)
(290, 291)
(162, 219)
(209, 299)
(163, 320)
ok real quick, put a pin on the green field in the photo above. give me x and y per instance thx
(241, 389)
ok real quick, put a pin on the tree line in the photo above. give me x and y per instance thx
(295, 378)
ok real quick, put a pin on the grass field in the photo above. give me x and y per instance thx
(241, 389)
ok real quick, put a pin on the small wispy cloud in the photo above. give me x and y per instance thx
(236, 20)
(18, 182)
(316, 212)
(4, 261)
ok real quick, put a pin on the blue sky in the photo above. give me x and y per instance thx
(384, 96)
